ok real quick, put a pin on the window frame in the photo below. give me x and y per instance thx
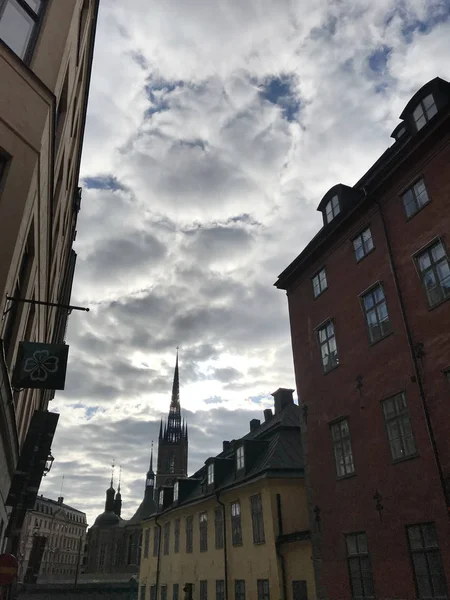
(189, 524)
(156, 540)
(427, 248)
(241, 594)
(359, 555)
(257, 513)
(240, 457)
(210, 473)
(421, 105)
(318, 329)
(147, 542)
(218, 528)
(426, 550)
(263, 589)
(398, 416)
(236, 524)
(175, 591)
(317, 276)
(37, 18)
(363, 246)
(164, 591)
(411, 188)
(362, 295)
(176, 491)
(176, 535)
(166, 546)
(333, 211)
(203, 589)
(335, 423)
(220, 589)
(203, 531)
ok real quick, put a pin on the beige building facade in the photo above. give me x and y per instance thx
(52, 543)
(46, 49)
(238, 528)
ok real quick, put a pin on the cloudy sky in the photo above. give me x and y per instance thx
(214, 129)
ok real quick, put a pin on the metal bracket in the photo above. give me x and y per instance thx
(68, 307)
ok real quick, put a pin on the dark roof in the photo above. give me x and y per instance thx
(145, 509)
(278, 442)
(108, 518)
(369, 182)
(56, 503)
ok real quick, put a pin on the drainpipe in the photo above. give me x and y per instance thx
(225, 562)
(277, 546)
(158, 563)
(414, 361)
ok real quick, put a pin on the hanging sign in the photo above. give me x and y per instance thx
(40, 366)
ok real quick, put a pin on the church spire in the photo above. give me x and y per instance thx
(175, 386)
(118, 498)
(150, 481)
(172, 430)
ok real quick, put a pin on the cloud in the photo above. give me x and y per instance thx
(213, 132)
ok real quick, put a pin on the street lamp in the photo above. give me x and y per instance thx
(48, 464)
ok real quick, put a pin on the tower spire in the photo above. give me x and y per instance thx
(176, 385)
(151, 460)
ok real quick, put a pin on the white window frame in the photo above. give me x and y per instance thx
(332, 209)
(210, 473)
(424, 111)
(363, 242)
(319, 282)
(240, 458)
(176, 491)
(415, 198)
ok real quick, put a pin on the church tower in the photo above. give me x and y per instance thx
(173, 441)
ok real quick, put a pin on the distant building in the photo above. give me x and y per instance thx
(114, 544)
(238, 528)
(52, 542)
(370, 324)
(46, 49)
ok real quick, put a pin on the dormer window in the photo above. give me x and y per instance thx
(332, 209)
(161, 498)
(176, 488)
(424, 111)
(240, 458)
(210, 473)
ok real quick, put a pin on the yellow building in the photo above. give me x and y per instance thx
(238, 528)
(46, 50)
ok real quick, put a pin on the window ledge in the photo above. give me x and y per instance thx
(359, 260)
(259, 543)
(430, 308)
(349, 476)
(321, 293)
(332, 369)
(386, 335)
(395, 461)
(417, 211)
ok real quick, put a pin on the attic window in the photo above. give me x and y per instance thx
(161, 498)
(210, 473)
(175, 491)
(332, 209)
(424, 111)
(240, 458)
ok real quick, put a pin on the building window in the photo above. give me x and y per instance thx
(203, 589)
(424, 111)
(18, 23)
(263, 589)
(257, 519)
(435, 273)
(236, 525)
(189, 533)
(161, 498)
(210, 473)
(176, 491)
(164, 592)
(427, 561)
(319, 282)
(203, 532)
(146, 542)
(156, 537)
(239, 589)
(377, 317)
(359, 566)
(415, 197)
(240, 458)
(101, 556)
(343, 456)
(176, 592)
(398, 425)
(142, 594)
(363, 244)
(220, 589)
(153, 592)
(332, 209)
(328, 347)
(166, 537)
(218, 526)
(176, 548)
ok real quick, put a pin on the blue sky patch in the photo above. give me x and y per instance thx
(103, 182)
(157, 91)
(436, 14)
(281, 91)
(378, 59)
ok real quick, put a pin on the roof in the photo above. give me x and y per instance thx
(145, 509)
(42, 498)
(279, 453)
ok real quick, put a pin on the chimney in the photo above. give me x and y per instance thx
(254, 424)
(226, 445)
(283, 397)
(60, 499)
(267, 414)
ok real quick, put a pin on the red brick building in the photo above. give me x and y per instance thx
(370, 331)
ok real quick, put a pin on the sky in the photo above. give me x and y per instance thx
(213, 131)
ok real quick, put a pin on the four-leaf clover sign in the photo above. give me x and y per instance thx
(41, 364)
